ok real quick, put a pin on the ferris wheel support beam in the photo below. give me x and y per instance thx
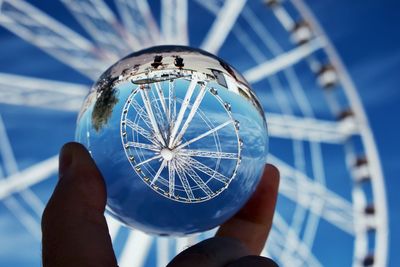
(113, 226)
(139, 21)
(26, 218)
(281, 237)
(28, 177)
(336, 210)
(132, 254)
(11, 168)
(183, 243)
(378, 187)
(174, 21)
(222, 25)
(54, 38)
(284, 18)
(283, 61)
(9, 162)
(310, 129)
(163, 251)
(102, 25)
(28, 91)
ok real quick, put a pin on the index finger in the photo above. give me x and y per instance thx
(253, 222)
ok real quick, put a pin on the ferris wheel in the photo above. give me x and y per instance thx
(332, 195)
(145, 105)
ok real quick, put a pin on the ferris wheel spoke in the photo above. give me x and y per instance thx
(211, 6)
(193, 110)
(31, 224)
(141, 112)
(177, 123)
(261, 30)
(147, 160)
(142, 146)
(51, 86)
(139, 21)
(174, 21)
(161, 116)
(160, 94)
(222, 25)
(211, 131)
(197, 179)
(113, 226)
(41, 93)
(163, 251)
(239, 32)
(171, 179)
(283, 61)
(310, 129)
(28, 220)
(28, 177)
(207, 170)
(171, 102)
(336, 210)
(208, 154)
(141, 131)
(102, 25)
(174, 104)
(319, 177)
(54, 38)
(147, 103)
(269, 41)
(11, 167)
(282, 237)
(134, 254)
(158, 173)
(184, 181)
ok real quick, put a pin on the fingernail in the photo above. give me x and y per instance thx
(65, 159)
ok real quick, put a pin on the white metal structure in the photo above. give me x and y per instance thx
(309, 127)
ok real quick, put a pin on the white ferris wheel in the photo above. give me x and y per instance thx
(332, 195)
(148, 104)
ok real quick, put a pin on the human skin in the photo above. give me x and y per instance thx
(75, 231)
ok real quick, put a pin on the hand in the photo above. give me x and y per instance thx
(75, 231)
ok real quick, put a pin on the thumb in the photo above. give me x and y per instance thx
(74, 228)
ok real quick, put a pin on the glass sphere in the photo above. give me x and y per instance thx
(179, 137)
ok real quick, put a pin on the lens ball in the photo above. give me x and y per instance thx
(179, 136)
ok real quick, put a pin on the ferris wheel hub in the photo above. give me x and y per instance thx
(167, 153)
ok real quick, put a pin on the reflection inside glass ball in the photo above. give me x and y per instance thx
(179, 137)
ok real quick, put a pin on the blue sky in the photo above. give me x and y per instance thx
(365, 34)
